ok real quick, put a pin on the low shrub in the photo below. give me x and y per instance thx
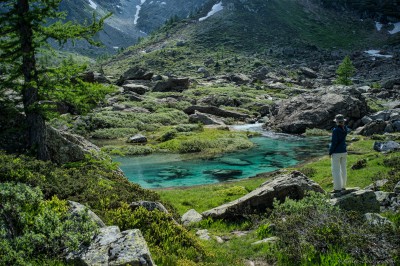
(312, 226)
(32, 228)
(168, 241)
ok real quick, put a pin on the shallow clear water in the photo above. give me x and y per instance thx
(271, 152)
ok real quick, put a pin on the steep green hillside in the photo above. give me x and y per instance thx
(248, 34)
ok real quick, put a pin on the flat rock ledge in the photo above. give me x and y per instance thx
(112, 247)
(293, 185)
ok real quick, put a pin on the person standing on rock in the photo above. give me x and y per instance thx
(338, 153)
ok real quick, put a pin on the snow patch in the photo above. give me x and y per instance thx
(143, 32)
(376, 53)
(138, 7)
(396, 28)
(216, 8)
(92, 4)
(163, 3)
(378, 26)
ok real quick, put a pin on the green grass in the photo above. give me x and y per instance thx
(184, 199)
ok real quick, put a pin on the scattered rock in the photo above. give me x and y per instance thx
(172, 84)
(219, 239)
(239, 78)
(215, 111)
(386, 146)
(376, 219)
(92, 77)
(149, 205)
(384, 198)
(205, 119)
(136, 88)
(293, 185)
(191, 216)
(360, 200)
(308, 72)
(134, 73)
(205, 72)
(272, 239)
(138, 138)
(77, 208)
(397, 188)
(373, 127)
(203, 234)
(112, 247)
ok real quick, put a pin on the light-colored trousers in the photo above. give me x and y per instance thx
(339, 171)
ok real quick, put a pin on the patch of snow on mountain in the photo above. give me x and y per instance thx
(376, 53)
(396, 28)
(92, 4)
(138, 7)
(216, 8)
(163, 3)
(378, 26)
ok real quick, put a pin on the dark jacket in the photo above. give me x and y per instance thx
(338, 142)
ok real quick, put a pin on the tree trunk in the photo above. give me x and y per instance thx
(30, 91)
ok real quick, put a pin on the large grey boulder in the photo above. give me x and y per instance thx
(293, 185)
(215, 111)
(64, 147)
(317, 110)
(363, 201)
(386, 146)
(134, 73)
(172, 84)
(112, 247)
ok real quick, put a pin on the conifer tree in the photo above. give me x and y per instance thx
(25, 28)
(345, 71)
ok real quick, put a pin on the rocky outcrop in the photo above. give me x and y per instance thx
(359, 200)
(112, 247)
(215, 111)
(76, 208)
(94, 77)
(136, 88)
(205, 119)
(134, 73)
(387, 121)
(191, 216)
(172, 84)
(308, 72)
(317, 110)
(64, 147)
(149, 205)
(293, 185)
(239, 79)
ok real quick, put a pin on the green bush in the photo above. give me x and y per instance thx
(312, 226)
(31, 227)
(168, 241)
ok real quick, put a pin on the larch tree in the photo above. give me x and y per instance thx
(345, 71)
(25, 28)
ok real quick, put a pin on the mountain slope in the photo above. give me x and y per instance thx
(247, 34)
(131, 19)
